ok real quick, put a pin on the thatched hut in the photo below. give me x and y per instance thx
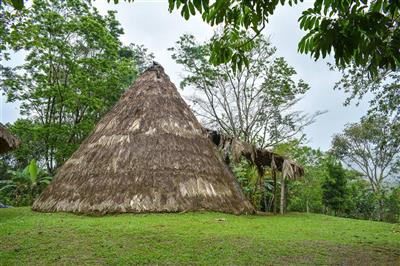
(8, 141)
(148, 154)
(261, 159)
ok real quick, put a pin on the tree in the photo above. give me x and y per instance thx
(305, 194)
(385, 88)
(392, 203)
(361, 202)
(334, 188)
(360, 30)
(371, 147)
(253, 104)
(140, 55)
(75, 69)
(366, 31)
(32, 145)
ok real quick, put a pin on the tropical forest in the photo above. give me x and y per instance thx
(197, 132)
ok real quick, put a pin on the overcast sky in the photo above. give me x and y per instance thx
(149, 23)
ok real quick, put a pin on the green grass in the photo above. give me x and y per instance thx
(29, 238)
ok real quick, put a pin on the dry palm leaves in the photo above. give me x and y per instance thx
(261, 158)
(7, 140)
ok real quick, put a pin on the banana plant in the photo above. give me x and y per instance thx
(26, 183)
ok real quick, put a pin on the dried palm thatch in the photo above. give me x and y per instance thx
(7, 140)
(148, 154)
(261, 158)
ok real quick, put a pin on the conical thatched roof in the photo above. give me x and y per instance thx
(148, 154)
(7, 140)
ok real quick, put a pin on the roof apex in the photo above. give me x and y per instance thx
(155, 67)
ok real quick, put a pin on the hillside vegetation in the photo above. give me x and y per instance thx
(29, 238)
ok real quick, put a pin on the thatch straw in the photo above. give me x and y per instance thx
(8, 141)
(148, 154)
(261, 158)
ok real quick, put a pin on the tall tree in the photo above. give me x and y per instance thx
(305, 194)
(254, 104)
(334, 188)
(371, 147)
(75, 69)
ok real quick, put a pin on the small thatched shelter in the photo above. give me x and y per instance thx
(261, 158)
(8, 141)
(148, 154)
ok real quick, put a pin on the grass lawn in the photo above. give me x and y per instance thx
(29, 238)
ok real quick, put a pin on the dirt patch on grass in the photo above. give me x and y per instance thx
(328, 253)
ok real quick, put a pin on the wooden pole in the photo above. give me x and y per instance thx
(282, 209)
(261, 184)
(275, 202)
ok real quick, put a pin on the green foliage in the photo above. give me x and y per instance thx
(23, 186)
(235, 15)
(305, 194)
(32, 144)
(75, 70)
(363, 32)
(392, 206)
(355, 199)
(366, 32)
(334, 188)
(372, 147)
(361, 202)
(17, 4)
(249, 180)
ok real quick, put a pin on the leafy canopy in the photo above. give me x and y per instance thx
(334, 187)
(362, 31)
(366, 31)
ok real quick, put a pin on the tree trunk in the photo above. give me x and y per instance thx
(275, 203)
(282, 209)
